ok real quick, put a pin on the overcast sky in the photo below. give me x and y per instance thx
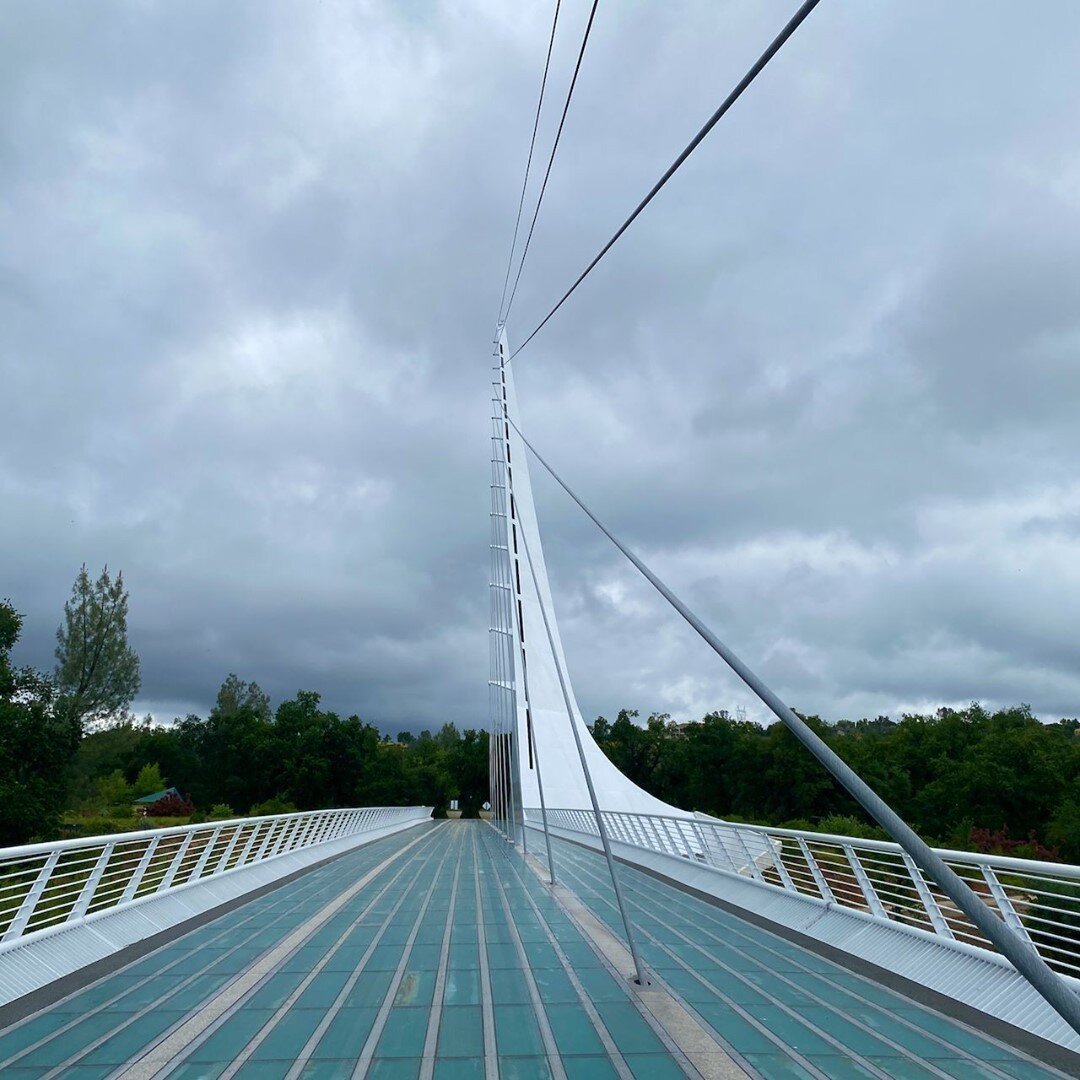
(828, 386)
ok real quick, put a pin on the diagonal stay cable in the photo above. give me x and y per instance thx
(777, 43)
(1018, 951)
(551, 159)
(528, 163)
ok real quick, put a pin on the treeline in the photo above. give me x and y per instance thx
(996, 781)
(248, 758)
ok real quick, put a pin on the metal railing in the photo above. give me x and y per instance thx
(1039, 900)
(45, 886)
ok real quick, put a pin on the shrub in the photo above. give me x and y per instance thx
(221, 812)
(845, 825)
(991, 842)
(277, 805)
(171, 806)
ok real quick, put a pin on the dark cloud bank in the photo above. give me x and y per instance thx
(828, 385)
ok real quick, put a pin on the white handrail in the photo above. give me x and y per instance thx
(1039, 900)
(44, 886)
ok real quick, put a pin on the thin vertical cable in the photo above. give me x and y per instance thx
(528, 163)
(551, 160)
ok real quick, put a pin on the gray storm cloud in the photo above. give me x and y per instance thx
(249, 262)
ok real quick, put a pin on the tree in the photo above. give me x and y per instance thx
(148, 782)
(97, 672)
(37, 745)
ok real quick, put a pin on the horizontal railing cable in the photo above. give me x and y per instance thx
(551, 160)
(776, 45)
(46, 886)
(1040, 901)
(528, 162)
(1014, 946)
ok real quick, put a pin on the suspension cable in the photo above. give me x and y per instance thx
(551, 159)
(528, 162)
(1018, 951)
(730, 100)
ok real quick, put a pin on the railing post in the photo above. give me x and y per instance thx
(815, 871)
(86, 894)
(751, 862)
(223, 862)
(706, 854)
(26, 908)
(1005, 906)
(246, 850)
(929, 901)
(132, 886)
(288, 835)
(872, 900)
(305, 830)
(777, 854)
(204, 855)
(272, 831)
(174, 866)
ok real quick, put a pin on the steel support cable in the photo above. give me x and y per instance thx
(528, 162)
(631, 939)
(1011, 945)
(551, 160)
(777, 43)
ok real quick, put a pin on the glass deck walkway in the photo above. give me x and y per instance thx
(438, 953)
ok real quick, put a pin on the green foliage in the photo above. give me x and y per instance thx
(37, 744)
(276, 805)
(221, 812)
(947, 774)
(114, 792)
(97, 672)
(148, 781)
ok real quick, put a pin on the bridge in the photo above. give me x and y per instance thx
(413, 948)
(587, 929)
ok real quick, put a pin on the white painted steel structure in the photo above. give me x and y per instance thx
(519, 643)
(67, 904)
(867, 880)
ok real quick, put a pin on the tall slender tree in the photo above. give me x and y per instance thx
(97, 672)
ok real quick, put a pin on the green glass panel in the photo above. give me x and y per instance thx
(370, 989)
(842, 1068)
(125, 1044)
(653, 1067)
(462, 988)
(346, 1034)
(459, 1069)
(461, 1032)
(508, 986)
(524, 1068)
(225, 1044)
(323, 990)
(628, 1030)
(288, 1035)
(404, 1034)
(516, 1032)
(599, 985)
(573, 1030)
(589, 1068)
(779, 1066)
(554, 985)
(394, 1069)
